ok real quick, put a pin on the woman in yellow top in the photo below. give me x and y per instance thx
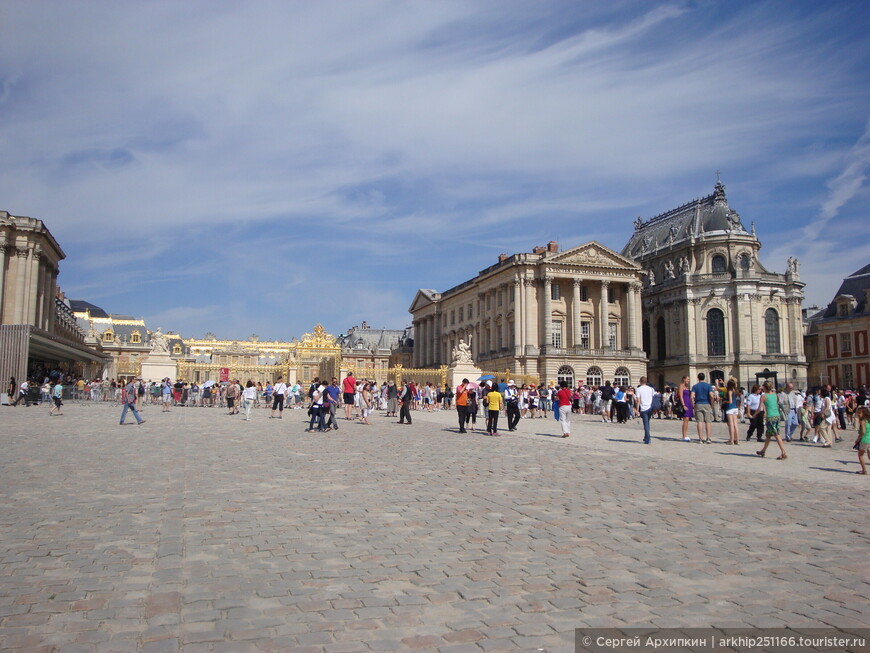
(493, 406)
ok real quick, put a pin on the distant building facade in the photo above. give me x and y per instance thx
(371, 353)
(708, 303)
(38, 333)
(573, 315)
(837, 337)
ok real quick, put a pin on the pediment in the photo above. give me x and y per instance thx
(595, 255)
(422, 299)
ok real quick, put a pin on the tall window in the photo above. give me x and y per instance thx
(461, 314)
(715, 332)
(593, 376)
(566, 373)
(611, 295)
(718, 264)
(646, 338)
(584, 294)
(848, 379)
(584, 335)
(661, 339)
(554, 291)
(771, 331)
(622, 376)
(557, 334)
(611, 335)
(845, 343)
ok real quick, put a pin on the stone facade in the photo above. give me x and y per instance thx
(553, 315)
(836, 341)
(38, 333)
(708, 303)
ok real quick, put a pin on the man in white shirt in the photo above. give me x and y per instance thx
(23, 389)
(645, 394)
(795, 401)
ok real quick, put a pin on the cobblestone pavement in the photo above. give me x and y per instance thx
(201, 532)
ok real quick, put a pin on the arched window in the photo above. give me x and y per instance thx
(593, 376)
(745, 261)
(718, 264)
(108, 336)
(646, 338)
(771, 331)
(715, 332)
(566, 373)
(661, 339)
(622, 376)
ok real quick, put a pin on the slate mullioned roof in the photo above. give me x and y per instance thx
(856, 284)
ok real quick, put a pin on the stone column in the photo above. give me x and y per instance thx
(20, 287)
(518, 327)
(575, 313)
(49, 300)
(418, 343)
(505, 327)
(530, 311)
(436, 339)
(34, 285)
(602, 314)
(2, 277)
(430, 342)
(547, 313)
(632, 315)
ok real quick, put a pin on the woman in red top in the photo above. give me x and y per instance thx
(564, 397)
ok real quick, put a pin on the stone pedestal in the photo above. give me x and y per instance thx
(156, 367)
(459, 371)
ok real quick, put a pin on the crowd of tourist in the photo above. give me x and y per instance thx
(769, 414)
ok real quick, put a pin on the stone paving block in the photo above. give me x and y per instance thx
(386, 536)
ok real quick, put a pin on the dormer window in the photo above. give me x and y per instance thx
(108, 336)
(135, 337)
(176, 349)
(843, 309)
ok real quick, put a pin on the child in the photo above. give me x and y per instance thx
(863, 440)
(804, 417)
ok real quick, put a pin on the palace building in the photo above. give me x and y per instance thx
(571, 315)
(837, 336)
(708, 303)
(38, 333)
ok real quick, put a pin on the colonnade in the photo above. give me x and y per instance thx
(27, 285)
(511, 316)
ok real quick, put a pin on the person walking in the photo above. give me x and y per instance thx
(129, 400)
(645, 394)
(862, 442)
(607, 393)
(794, 400)
(249, 396)
(462, 392)
(232, 393)
(23, 389)
(316, 408)
(405, 398)
(493, 406)
(366, 399)
(826, 413)
(333, 401)
(731, 410)
(563, 398)
(278, 398)
(57, 399)
(11, 390)
(770, 410)
(512, 405)
(701, 392)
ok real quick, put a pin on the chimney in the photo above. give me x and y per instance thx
(539, 250)
(553, 246)
(502, 258)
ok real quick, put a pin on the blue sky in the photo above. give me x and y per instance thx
(259, 166)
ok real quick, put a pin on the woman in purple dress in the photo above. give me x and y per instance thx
(684, 395)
